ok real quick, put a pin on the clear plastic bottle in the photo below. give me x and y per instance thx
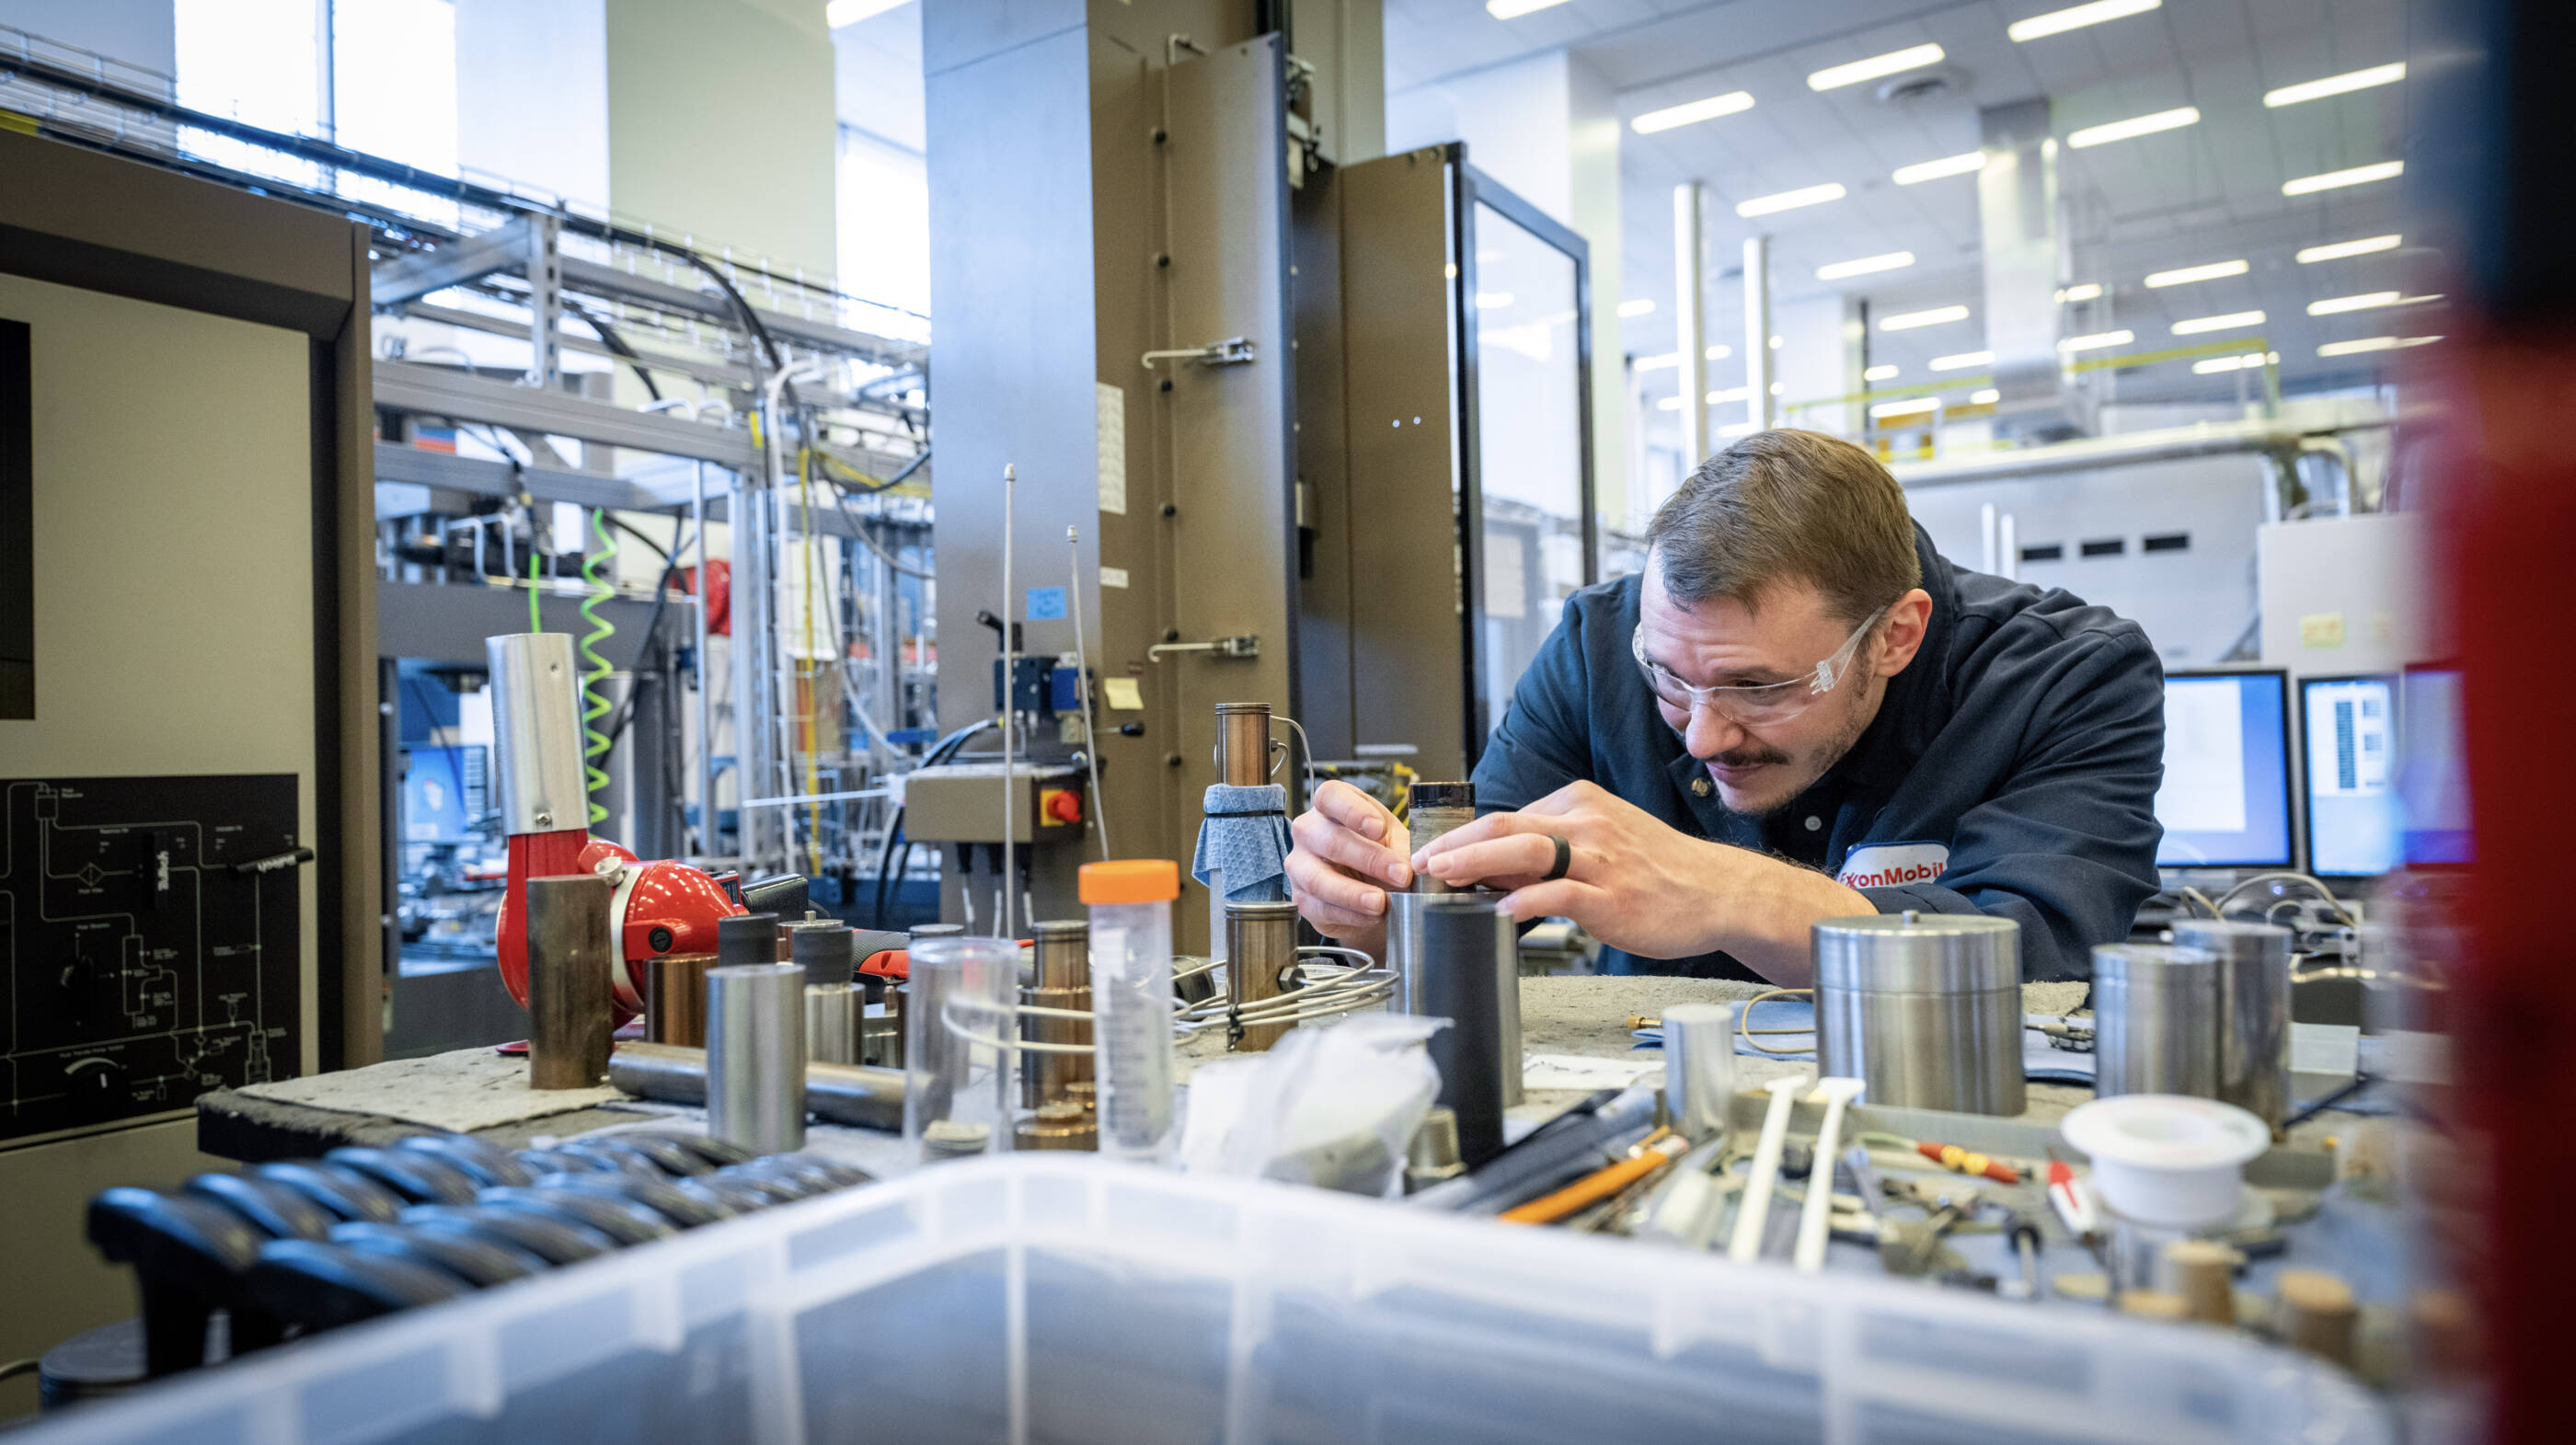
(957, 1091)
(1131, 1002)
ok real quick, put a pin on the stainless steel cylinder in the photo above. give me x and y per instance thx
(863, 1098)
(1461, 984)
(536, 732)
(1924, 1008)
(2253, 1011)
(675, 1007)
(832, 1001)
(756, 1056)
(1699, 1068)
(2155, 1020)
(1063, 980)
(1260, 948)
(570, 948)
(1243, 743)
(1436, 810)
(1404, 957)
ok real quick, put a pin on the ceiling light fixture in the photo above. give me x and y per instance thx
(2076, 17)
(2228, 322)
(2097, 340)
(1908, 320)
(851, 12)
(2247, 362)
(1964, 361)
(1636, 308)
(1906, 408)
(1913, 57)
(2373, 343)
(2336, 85)
(2341, 249)
(1692, 112)
(1515, 9)
(1965, 163)
(2336, 180)
(2187, 274)
(2094, 135)
(1985, 396)
(2367, 302)
(1493, 300)
(2081, 291)
(1792, 200)
(1892, 261)
(1879, 373)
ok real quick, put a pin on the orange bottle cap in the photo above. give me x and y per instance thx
(1131, 880)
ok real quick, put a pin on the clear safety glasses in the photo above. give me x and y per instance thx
(1761, 703)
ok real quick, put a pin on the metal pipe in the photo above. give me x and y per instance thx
(536, 729)
(859, 1097)
(1082, 688)
(569, 953)
(1690, 324)
(675, 1006)
(1459, 983)
(2155, 1020)
(1062, 980)
(2093, 453)
(756, 1056)
(698, 662)
(2253, 1011)
(832, 1000)
(1759, 405)
(1010, 709)
(1260, 948)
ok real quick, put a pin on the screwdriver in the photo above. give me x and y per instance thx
(2073, 1200)
(1963, 1161)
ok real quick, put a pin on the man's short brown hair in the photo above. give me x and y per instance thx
(1788, 506)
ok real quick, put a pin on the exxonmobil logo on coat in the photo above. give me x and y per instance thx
(1893, 865)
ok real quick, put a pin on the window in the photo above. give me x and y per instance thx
(884, 230)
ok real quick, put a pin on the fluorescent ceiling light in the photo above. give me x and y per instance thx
(1670, 403)
(2335, 180)
(1493, 300)
(2368, 302)
(1908, 320)
(1958, 165)
(1732, 393)
(2228, 322)
(2077, 17)
(2094, 135)
(2373, 343)
(1792, 200)
(2341, 249)
(850, 12)
(1892, 261)
(2211, 272)
(1692, 112)
(1515, 9)
(1906, 408)
(1984, 396)
(2081, 291)
(1964, 361)
(1638, 307)
(2247, 362)
(1913, 57)
(1718, 353)
(2097, 340)
(1775, 342)
(2336, 84)
(1879, 373)
(1779, 388)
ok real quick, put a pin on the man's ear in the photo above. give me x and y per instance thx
(1900, 636)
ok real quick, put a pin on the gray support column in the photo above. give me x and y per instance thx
(1690, 324)
(1759, 404)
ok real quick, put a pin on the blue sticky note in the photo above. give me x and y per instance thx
(1046, 604)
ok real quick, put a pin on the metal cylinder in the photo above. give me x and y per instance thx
(2155, 1020)
(756, 1056)
(1437, 809)
(536, 732)
(1063, 980)
(1260, 949)
(569, 952)
(862, 1098)
(1461, 984)
(1699, 1068)
(832, 1000)
(1404, 956)
(2253, 1011)
(746, 939)
(1243, 743)
(1924, 1008)
(675, 1007)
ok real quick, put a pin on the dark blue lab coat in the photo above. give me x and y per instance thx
(2011, 770)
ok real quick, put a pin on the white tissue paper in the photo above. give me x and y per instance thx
(1330, 1107)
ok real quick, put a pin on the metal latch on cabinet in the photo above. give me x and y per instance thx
(1233, 351)
(1246, 646)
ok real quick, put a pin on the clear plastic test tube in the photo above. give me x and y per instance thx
(1131, 1002)
(959, 1004)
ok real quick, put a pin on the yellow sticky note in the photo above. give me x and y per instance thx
(1123, 693)
(2321, 629)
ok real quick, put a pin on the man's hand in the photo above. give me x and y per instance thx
(1639, 885)
(1349, 851)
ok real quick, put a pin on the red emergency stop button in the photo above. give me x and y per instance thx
(1060, 805)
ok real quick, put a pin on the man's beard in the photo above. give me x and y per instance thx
(1855, 721)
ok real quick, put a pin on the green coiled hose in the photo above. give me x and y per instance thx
(594, 702)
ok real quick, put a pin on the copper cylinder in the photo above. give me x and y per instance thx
(1058, 1126)
(675, 1007)
(1063, 980)
(1260, 948)
(1243, 744)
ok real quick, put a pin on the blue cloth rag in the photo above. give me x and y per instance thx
(1245, 837)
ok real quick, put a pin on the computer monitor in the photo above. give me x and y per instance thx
(2432, 768)
(2350, 728)
(443, 792)
(2225, 800)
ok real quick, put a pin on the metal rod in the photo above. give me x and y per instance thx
(851, 1094)
(1690, 324)
(756, 1056)
(1082, 685)
(568, 996)
(1010, 707)
(698, 660)
(1759, 405)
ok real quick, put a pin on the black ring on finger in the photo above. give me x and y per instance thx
(1564, 859)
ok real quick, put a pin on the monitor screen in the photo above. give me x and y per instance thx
(2432, 768)
(2225, 799)
(442, 794)
(2350, 726)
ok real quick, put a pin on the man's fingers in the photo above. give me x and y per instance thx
(1333, 842)
(1564, 898)
(1354, 810)
(1315, 880)
(1496, 861)
(1488, 828)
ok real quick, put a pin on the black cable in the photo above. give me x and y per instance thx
(615, 343)
(2359, 1083)
(652, 632)
(621, 524)
(939, 752)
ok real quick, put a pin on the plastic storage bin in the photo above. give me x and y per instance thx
(1049, 1298)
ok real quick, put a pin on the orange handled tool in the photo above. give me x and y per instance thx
(1961, 1161)
(1592, 1188)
